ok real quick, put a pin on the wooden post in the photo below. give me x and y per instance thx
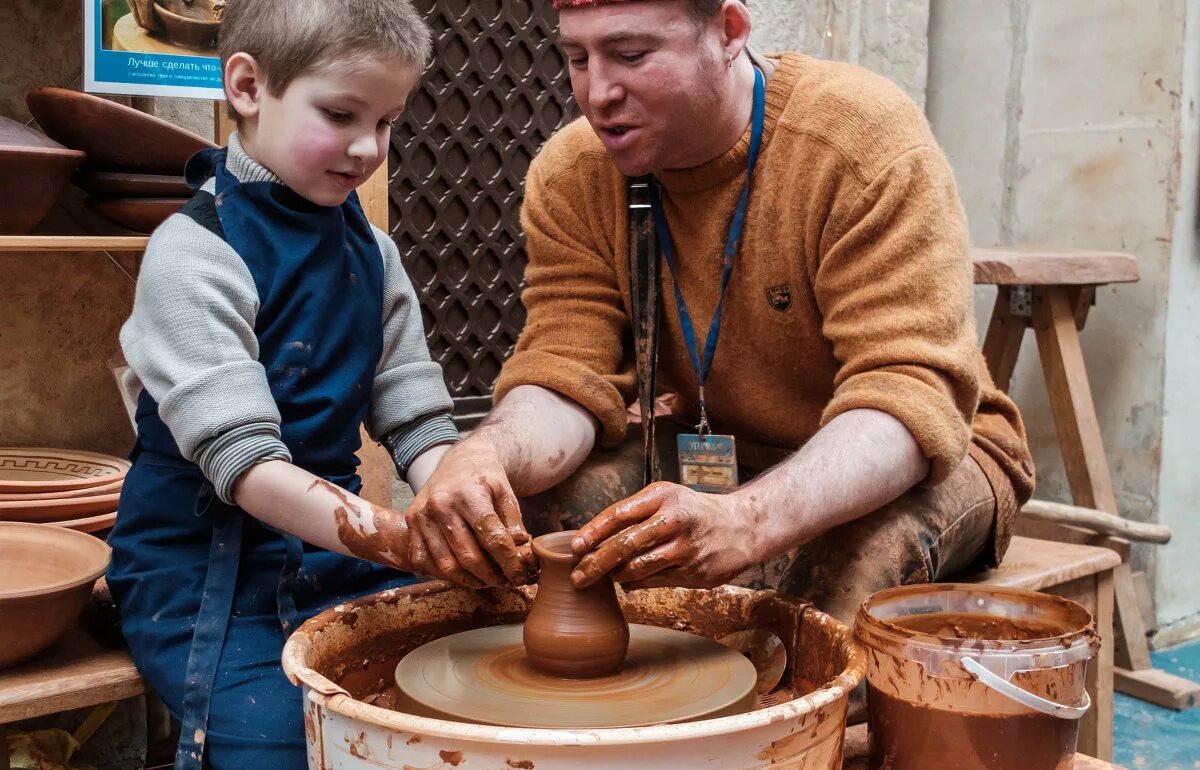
(1003, 340)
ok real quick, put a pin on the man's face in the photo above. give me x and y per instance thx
(646, 77)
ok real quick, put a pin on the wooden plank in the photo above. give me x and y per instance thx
(1037, 266)
(1003, 340)
(73, 242)
(223, 124)
(1101, 669)
(1039, 564)
(1029, 526)
(373, 195)
(1071, 400)
(76, 672)
(1135, 652)
(1097, 521)
(1158, 687)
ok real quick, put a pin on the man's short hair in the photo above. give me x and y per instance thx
(291, 37)
(703, 10)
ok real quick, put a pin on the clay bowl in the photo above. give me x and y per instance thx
(34, 170)
(58, 510)
(93, 525)
(115, 137)
(27, 470)
(193, 25)
(138, 214)
(46, 578)
(119, 184)
(30, 497)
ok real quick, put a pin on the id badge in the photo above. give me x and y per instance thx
(707, 463)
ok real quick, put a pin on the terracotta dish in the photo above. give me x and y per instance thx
(128, 185)
(90, 524)
(46, 577)
(58, 510)
(42, 469)
(139, 214)
(115, 137)
(193, 23)
(34, 170)
(29, 497)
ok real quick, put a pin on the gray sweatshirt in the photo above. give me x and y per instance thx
(190, 340)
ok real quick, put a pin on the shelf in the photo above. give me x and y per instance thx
(73, 242)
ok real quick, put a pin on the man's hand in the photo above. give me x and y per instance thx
(669, 535)
(470, 522)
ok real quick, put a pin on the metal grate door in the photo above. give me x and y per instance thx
(497, 89)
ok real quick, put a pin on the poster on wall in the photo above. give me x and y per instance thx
(153, 47)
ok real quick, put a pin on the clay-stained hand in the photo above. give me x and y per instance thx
(470, 522)
(668, 535)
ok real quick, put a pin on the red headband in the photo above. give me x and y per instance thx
(560, 4)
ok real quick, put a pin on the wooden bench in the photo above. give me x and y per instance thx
(76, 672)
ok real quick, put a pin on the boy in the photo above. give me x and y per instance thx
(270, 321)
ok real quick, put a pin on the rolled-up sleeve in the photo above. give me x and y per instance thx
(576, 331)
(894, 288)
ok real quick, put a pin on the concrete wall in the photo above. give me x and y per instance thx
(886, 37)
(1066, 124)
(1179, 482)
(1074, 123)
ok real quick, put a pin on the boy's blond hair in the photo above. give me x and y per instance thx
(291, 37)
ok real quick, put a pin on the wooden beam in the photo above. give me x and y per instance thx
(1003, 340)
(1158, 687)
(1097, 521)
(1134, 652)
(1071, 399)
(1036, 266)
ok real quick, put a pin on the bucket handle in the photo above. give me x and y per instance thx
(1023, 696)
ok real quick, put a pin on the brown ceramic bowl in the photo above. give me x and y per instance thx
(193, 25)
(46, 578)
(34, 171)
(61, 509)
(138, 214)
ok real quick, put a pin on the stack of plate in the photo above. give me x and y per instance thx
(63, 487)
(135, 161)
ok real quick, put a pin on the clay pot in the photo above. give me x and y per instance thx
(141, 215)
(570, 633)
(46, 578)
(38, 470)
(34, 170)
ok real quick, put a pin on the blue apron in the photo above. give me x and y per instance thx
(208, 594)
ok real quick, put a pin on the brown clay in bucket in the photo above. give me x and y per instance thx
(571, 633)
(926, 709)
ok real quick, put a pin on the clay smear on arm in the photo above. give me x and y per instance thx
(368, 531)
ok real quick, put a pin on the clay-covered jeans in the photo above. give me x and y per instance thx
(927, 534)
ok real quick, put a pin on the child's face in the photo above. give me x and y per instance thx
(329, 129)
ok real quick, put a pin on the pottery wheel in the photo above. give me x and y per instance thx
(482, 676)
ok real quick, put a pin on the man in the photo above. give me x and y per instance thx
(847, 355)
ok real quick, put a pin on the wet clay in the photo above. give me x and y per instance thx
(912, 736)
(374, 534)
(572, 633)
(483, 676)
(969, 625)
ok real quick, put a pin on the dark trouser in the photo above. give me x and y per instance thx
(927, 534)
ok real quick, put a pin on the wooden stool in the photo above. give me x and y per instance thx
(1052, 290)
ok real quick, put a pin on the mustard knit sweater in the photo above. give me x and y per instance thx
(852, 288)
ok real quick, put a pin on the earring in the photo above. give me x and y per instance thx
(729, 60)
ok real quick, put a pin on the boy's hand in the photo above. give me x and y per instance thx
(469, 522)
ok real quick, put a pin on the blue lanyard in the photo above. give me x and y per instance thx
(702, 366)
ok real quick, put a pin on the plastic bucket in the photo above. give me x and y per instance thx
(967, 677)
